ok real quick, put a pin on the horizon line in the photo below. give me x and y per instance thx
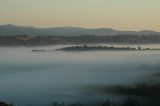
(77, 27)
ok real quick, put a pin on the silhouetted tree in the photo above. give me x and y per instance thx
(55, 104)
(139, 48)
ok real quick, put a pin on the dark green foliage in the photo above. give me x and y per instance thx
(27, 40)
(107, 103)
(130, 102)
(85, 48)
(152, 92)
(140, 89)
(5, 104)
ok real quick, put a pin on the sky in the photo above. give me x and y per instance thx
(117, 14)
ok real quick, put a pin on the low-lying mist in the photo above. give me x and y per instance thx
(44, 77)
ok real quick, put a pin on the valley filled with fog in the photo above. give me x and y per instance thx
(33, 78)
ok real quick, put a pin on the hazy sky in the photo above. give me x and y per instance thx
(118, 14)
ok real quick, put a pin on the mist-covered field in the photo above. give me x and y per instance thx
(33, 78)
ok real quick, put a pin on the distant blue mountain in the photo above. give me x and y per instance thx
(7, 30)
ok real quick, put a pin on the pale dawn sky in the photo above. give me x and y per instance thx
(117, 14)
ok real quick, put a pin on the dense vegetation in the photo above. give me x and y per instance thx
(86, 48)
(51, 40)
(5, 104)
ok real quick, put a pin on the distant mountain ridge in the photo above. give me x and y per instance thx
(8, 30)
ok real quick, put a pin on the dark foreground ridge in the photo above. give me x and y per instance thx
(126, 102)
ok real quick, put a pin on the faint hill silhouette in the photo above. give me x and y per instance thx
(66, 31)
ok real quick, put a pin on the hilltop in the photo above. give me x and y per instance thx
(8, 30)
